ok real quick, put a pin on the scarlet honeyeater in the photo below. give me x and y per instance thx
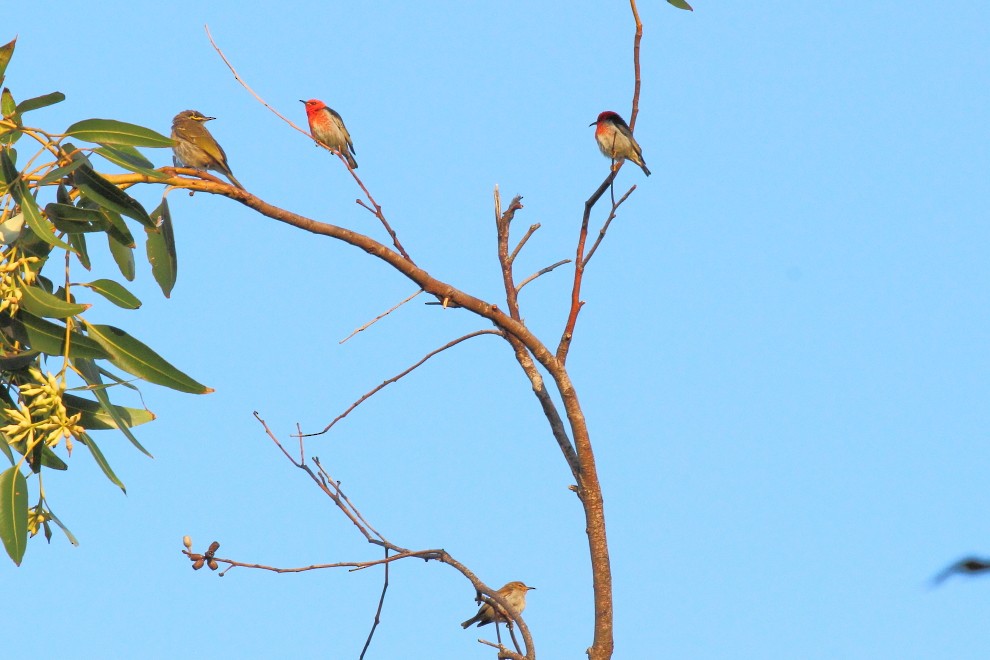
(194, 146)
(514, 594)
(328, 128)
(616, 140)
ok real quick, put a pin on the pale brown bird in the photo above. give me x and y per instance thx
(195, 147)
(514, 594)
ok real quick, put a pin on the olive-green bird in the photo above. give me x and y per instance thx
(194, 146)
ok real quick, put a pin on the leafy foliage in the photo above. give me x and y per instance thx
(47, 344)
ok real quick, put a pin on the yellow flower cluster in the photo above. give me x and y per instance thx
(41, 400)
(15, 272)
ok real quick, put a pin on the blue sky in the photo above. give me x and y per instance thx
(783, 356)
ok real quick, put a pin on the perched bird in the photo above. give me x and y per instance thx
(514, 594)
(194, 146)
(328, 128)
(616, 140)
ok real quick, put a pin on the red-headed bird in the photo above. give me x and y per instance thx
(616, 140)
(328, 128)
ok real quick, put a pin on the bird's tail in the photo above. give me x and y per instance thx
(234, 181)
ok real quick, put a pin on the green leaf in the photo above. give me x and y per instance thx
(130, 159)
(8, 170)
(8, 107)
(59, 172)
(49, 338)
(117, 228)
(40, 102)
(65, 530)
(680, 4)
(78, 242)
(123, 255)
(73, 220)
(62, 193)
(6, 51)
(5, 448)
(71, 213)
(96, 188)
(161, 249)
(41, 303)
(96, 418)
(91, 375)
(114, 292)
(101, 460)
(138, 359)
(16, 362)
(13, 513)
(32, 214)
(29, 207)
(111, 131)
(48, 458)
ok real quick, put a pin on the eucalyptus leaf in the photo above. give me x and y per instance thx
(114, 292)
(6, 52)
(13, 513)
(97, 189)
(160, 247)
(111, 131)
(40, 102)
(101, 460)
(41, 303)
(138, 359)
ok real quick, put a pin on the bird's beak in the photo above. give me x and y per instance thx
(207, 118)
(592, 123)
(301, 101)
(530, 588)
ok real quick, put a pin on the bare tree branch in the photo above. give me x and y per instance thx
(542, 271)
(608, 221)
(522, 241)
(377, 210)
(502, 223)
(529, 351)
(378, 612)
(637, 38)
(379, 317)
(324, 482)
(393, 379)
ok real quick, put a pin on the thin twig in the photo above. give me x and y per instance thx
(257, 97)
(522, 241)
(377, 210)
(378, 612)
(503, 652)
(334, 494)
(379, 317)
(542, 271)
(436, 554)
(393, 379)
(325, 481)
(608, 221)
(342, 500)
